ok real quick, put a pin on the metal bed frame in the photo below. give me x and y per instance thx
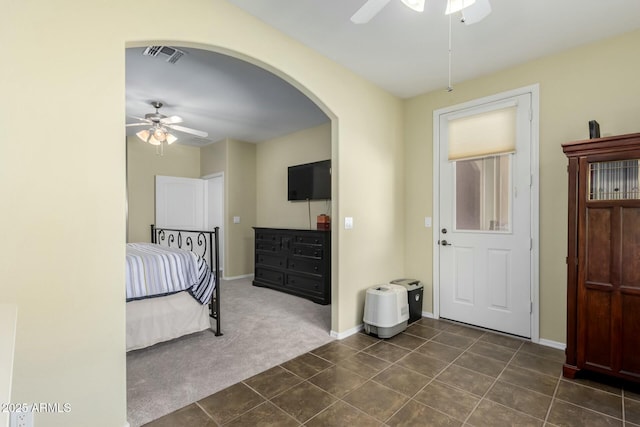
(203, 243)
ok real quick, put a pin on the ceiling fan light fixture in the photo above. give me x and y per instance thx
(144, 135)
(417, 5)
(454, 6)
(160, 134)
(156, 136)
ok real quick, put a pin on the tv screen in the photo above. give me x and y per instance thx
(311, 181)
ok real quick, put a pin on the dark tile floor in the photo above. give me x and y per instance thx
(436, 373)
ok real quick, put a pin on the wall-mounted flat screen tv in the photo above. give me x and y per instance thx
(311, 181)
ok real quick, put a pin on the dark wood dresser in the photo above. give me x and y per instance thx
(294, 261)
(603, 263)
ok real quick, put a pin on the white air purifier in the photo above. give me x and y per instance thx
(386, 310)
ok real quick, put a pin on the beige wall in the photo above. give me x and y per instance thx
(67, 191)
(240, 201)
(213, 158)
(598, 82)
(237, 160)
(143, 164)
(273, 159)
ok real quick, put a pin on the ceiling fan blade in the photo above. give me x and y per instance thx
(141, 118)
(189, 130)
(137, 124)
(476, 12)
(171, 120)
(368, 11)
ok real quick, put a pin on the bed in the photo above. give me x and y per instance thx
(172, 286)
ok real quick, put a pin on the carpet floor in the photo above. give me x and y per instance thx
(262, 328)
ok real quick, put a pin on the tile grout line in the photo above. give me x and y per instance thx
(395, 363)
(438, 373)
(624, 421)
(466, 421)
(391, 364)
(452, 362)
(553, 398)
(206, 412)
(423, 387)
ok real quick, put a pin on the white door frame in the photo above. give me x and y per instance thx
(534, 90)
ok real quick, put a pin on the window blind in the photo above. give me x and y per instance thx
(482, 135)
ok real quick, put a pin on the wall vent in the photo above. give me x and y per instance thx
(173, 54)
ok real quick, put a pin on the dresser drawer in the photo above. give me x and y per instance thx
(308, 240)
(265, 246)
(271, 260)
(307, 251)
(306, 265)
(305, 284)
(269, 276)
(268, 237)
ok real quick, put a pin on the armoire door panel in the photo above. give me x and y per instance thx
(630, 362)
(597, 330)
(598, 255)
(630, 251)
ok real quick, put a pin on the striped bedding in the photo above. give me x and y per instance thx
(154, 270)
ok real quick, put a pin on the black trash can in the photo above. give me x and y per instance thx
(414, 295)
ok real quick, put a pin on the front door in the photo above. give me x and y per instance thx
(485, 222)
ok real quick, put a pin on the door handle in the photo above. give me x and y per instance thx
(445, 243)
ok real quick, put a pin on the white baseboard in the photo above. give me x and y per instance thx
(553, 344)
(243, 276)
(427, 314)
(347, 333)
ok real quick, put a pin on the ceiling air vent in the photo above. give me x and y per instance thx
(172, 53)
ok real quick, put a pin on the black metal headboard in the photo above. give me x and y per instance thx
(203, 243)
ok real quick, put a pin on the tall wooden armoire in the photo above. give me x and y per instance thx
(603, 263)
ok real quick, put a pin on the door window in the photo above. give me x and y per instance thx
(482, 194)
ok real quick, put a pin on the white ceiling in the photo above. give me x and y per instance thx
(221, 95)
(400, 50)
(406, 52)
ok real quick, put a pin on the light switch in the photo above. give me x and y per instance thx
(427, 221)
(348, 223)
(236, 220)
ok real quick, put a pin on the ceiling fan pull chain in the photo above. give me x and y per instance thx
(449, 87)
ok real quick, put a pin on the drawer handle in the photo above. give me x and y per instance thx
(315, 268)
(293, 265)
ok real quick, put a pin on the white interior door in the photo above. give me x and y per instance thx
(181, 203)
(485, 229)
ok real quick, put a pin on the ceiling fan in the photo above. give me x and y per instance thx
(159, 125)
(472, 10)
